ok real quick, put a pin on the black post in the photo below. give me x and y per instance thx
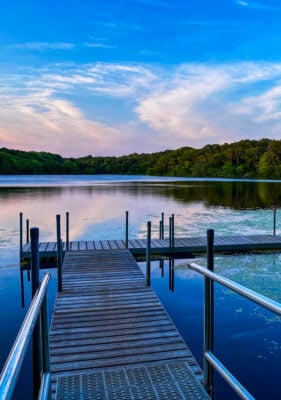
(173, 230)
(45, 340)
(163, 227)
(67, 230)
(170, 232)
(21, 236)
(127, 230)
(209, 316)
(274, 220)
(160, 229)
(148, 254)
(59, 263)
(27, 231)
(34, 235)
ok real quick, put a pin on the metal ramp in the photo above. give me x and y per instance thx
(154, 382)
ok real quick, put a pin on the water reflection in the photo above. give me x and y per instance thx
(246, 335)
(98, 212)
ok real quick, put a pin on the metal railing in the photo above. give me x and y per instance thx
(9, 375)
(210, 360)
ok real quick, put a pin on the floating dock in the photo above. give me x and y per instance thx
(163, 246)
(111, 337)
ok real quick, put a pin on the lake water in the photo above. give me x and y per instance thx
(247, 338)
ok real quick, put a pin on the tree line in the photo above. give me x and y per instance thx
(243, 159)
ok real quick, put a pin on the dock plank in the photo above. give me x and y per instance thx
(107, 318)
(161, 246)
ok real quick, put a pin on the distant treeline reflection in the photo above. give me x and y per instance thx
(231, 194)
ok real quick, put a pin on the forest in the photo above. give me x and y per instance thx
(243, 159)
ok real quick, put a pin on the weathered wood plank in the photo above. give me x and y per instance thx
(106, 317)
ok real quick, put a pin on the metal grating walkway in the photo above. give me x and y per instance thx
(169, 381)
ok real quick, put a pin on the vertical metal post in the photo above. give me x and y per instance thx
(209, 316)
(274, 220)
(163, 226)
(67, 230)
(59, 263)
(173, 230)
(170, 231)
(127, 230)
(34, 235)
(148, 253)
(27, 231)
(45, 336)
(21, 236)
(160, 229)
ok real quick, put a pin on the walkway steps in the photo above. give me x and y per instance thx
(161, 246)
(108, 328)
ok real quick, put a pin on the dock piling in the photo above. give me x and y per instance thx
(59, 254)
(67, 230)
(21, 235)
(163, 226)
(274, 220)
(173, 230)
(209, 316)
(27, 231)
(148, 254)
(160, 229)
(170, 232)
(127, 230)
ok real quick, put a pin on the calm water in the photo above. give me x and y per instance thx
(247, 338)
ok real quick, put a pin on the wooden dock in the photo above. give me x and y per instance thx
(162, 246)
(111, 337)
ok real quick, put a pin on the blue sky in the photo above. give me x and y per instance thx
(124, 76)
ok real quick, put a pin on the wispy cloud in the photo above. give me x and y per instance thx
(43, 46)
(201, 104)
(159, 3)
(48, 46)
(58, 108)
(257, 5)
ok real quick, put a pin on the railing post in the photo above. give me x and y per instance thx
(173, 230)
(163, 227)
(274, 220)
(127, 230)
(27, 231)
(148, 253)
(59, 259)
(170, 232)
(160, 229)
(21, 236)
(67, 230)
(34, 235)
(45, 343)
(209, 316)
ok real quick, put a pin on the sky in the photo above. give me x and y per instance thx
(115, 77)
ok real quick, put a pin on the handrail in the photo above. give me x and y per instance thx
(242, 290)
(12, 367)
(210, 360)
